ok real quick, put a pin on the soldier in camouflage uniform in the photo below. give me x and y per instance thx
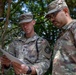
(31, 49)
(64, 62)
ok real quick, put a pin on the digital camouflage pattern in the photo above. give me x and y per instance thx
(25, 50)
(64, 62)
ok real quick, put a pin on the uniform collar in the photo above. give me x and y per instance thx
(27, 40)
(67, 26)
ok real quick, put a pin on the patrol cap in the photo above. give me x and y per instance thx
(55, 5)
(26, 17)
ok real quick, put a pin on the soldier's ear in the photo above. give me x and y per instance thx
(33, 22)
(65, 10)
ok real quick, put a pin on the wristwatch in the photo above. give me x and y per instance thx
(29, 70)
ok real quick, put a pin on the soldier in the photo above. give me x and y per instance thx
(64, 62)
(31, 49)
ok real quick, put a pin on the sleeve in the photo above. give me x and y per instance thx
(73, 55)
(73, 29)
(11, 48)
(44, 59)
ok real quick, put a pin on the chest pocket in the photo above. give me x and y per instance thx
(31, 52)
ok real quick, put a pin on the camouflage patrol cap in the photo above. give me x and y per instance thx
(55, 6)
(26, 17)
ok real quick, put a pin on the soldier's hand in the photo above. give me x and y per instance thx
(5, 61)
(19, 68)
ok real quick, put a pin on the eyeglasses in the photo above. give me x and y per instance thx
(53, 15)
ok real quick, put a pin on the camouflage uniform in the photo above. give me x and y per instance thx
(25, 50)
(64, 62)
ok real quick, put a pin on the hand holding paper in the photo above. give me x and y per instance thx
(11, 57)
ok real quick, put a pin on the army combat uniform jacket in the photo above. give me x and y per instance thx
(64, 62)
(26, 50)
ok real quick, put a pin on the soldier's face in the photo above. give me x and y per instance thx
(28, 27)
(59, 19)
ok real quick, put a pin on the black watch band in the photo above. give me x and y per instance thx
(29, 70)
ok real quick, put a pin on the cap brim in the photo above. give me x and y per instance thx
(50, 12)
(25, 21)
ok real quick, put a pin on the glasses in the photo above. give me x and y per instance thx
(53, 15)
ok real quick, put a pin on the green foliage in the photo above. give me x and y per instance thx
(43, 27)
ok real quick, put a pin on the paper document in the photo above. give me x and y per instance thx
(11, 57)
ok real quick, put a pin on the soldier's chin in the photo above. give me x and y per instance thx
(58, 25)
(55, 23)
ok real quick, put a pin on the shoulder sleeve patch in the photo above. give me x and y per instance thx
(47, 52)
